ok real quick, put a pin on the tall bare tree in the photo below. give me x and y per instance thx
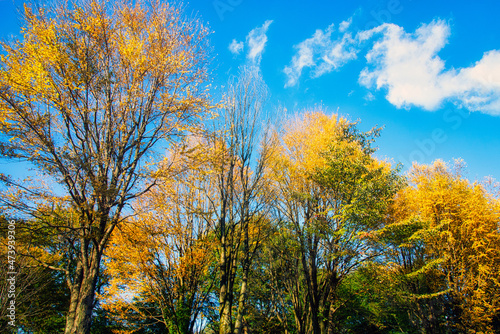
(241, 201)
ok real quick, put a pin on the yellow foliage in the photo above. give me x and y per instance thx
(305, 139)
(72, 65)
(167, 250)
(460, 231)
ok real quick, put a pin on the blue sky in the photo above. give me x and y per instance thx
(428, 71)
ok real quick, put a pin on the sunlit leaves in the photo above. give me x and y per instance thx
(165, 256)
(453, 225)
(333, 195)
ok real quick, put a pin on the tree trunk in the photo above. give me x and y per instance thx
(330, 326)
(241, 303)
(79, 317)
(243, 290)
(310, 274)
(224, 293)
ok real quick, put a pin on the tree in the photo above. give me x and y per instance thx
(242, 197)
(458, 232)
(333, 194)
(379, 297)
(85, 97)
(162, 261)
(270, 308)
(236, 152)
(207, 199)
(411, 280)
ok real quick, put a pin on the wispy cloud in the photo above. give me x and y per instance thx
(408, 67)
(369, 97)
(236, 47)
(256, 40)
(323, 52)
(344, 25)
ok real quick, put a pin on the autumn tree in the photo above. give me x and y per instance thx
(455, 224)
(85, 96)
(209, 197)
(333, 195)
(238, 155)
(380, 297)
(164, 257)
(409, 275)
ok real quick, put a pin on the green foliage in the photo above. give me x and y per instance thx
(378, 299)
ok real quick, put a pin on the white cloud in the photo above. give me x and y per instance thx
(236, 47)
(256, 41)
(344, 25)
(407, 65)
(322, 52)
(479, 87)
